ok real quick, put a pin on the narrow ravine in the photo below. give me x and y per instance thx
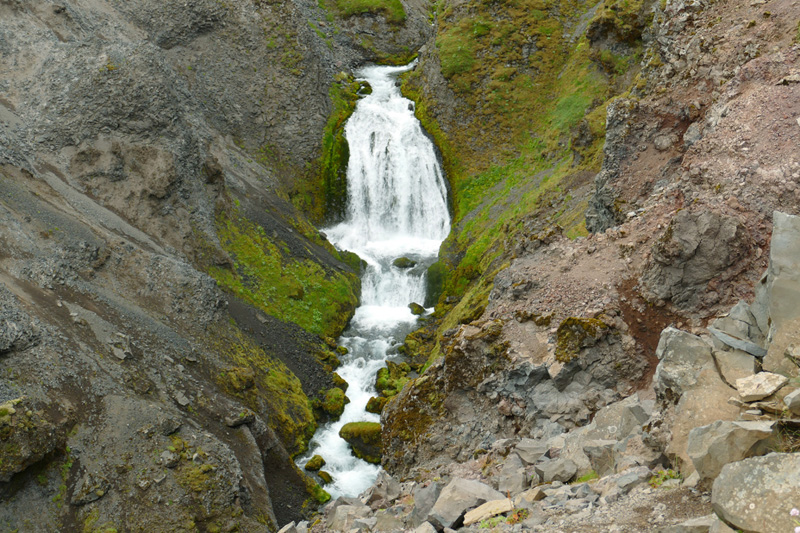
(396, 207)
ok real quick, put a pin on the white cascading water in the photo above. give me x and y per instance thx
(396, 207)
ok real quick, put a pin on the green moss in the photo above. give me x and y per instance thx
(196, 478)
(325, 477)
(574, 334)
(294, 290)
(320, 495)
(90, 523)
(392, 10)
(315, 463)
(376, 403)
(391, 379)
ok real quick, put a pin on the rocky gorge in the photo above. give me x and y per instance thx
(614, 344)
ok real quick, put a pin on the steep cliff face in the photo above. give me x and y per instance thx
(686, 119)
(167, 310)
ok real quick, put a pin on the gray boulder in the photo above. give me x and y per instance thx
(512, 477)
(756, 494)
(713, 446)
(687, 377)
(562, 470)
(458, 497)
(783, 275)
(530, 450)
(681, 356)
(779, 293)
(698, 246)
(425, 527)
(384, 490)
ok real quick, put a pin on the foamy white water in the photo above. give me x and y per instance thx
(396, 207)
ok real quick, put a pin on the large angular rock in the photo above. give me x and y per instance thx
(740, 323)
(756, 494)
(687, 375)
(512, 477)
(562, 470)
(713, 446)
(759, 386)
(424, 499)
(384, 490)
(681, 356)
(698, 246)
(458, 497)
(783, 275)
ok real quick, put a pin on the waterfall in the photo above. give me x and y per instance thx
(396, 207)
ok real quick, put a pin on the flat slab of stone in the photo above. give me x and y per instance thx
(759, 386)
(695, 525)
(488, 510)
(756, 494)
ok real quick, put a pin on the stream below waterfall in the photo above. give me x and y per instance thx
(396, 207)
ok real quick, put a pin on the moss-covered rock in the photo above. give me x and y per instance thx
(325, 477)
(404, 262)
(25, 438)
(574, 334)
(365, 440)
(315, 463)
(416, 309)
(391, 379)
(334, 402)
(376, 403)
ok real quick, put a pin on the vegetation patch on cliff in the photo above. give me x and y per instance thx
(392, 10)
(261, 379)
(299, 291)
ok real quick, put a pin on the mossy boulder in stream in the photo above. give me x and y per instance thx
(416, 309)
(404, 262)
(315, 463)
(365, 440)
(334, 402)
